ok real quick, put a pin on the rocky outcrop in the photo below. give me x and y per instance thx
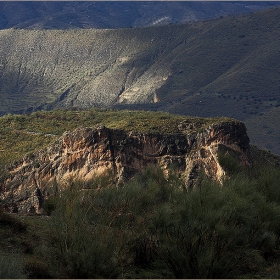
(86, 152)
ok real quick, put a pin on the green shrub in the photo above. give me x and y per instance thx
(11, 267)
(36, 268)
(10, 221)
(85, 249)
(49, 205)
(229, 161)
(102, 230)
(268, 182)
(211, 232)
(211, 236)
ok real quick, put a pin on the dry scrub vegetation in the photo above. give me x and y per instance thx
(150, 227)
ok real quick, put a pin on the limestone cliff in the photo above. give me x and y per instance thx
(89, 151)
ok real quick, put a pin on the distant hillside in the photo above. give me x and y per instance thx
(223, 67)
(116, 14)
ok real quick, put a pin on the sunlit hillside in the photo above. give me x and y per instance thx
(223, 67)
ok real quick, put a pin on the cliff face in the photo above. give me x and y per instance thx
(86, 152)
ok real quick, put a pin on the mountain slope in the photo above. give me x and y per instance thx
(115, 14)
(227, 67)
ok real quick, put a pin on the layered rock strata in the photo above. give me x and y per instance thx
(86, 152)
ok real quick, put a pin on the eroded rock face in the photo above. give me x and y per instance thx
(86, 152)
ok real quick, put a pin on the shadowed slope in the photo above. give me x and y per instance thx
(115, 14)
(225, 67)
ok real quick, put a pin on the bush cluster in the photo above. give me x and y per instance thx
(151, 223)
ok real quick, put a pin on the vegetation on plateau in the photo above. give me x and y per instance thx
(150, 227)
(24, 134)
